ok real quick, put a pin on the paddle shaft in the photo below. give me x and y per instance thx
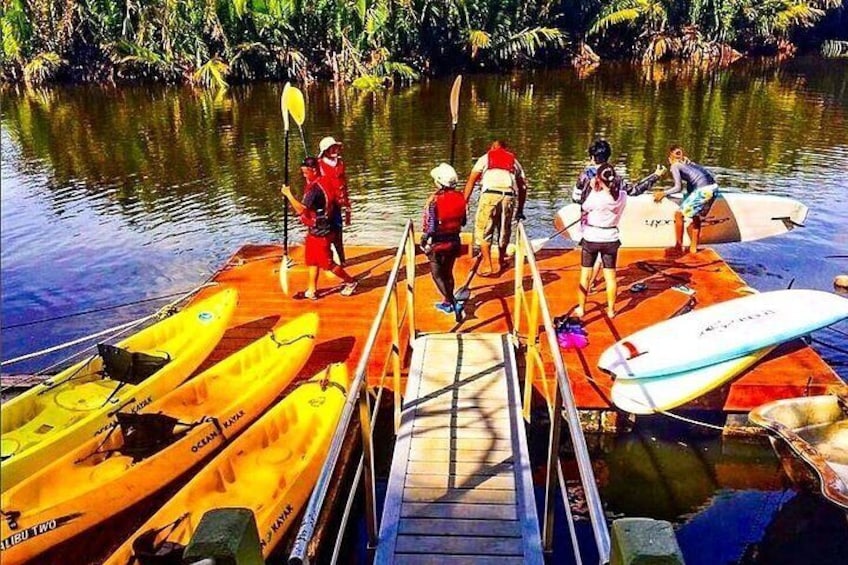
(462, 292)
(286, 182)
(453, 144)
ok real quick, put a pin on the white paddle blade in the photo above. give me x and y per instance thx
(454, 99)
(539, 243)
(284, 275)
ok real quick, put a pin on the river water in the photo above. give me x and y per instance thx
(113, 196)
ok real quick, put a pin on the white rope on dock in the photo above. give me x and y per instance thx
(74, 342)
(115, 330)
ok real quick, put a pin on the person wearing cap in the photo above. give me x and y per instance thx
(602, 208)
(316, 212)
(444, 216)
(701, 191)
(332, 169)
(600, 152)
(504, 193)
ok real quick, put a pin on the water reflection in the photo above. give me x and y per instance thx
(112, 195)
(728, 499)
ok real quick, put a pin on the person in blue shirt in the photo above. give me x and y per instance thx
(701, 191)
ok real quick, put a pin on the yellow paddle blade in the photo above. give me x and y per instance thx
(454, 99)
(284, 105)
(284, 274)
(296, 105)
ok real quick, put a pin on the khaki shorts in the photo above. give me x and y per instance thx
(494, 209)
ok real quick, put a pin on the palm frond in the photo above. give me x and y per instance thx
(15, 29)
(42, 68)
(528, 41)
(368, 83)
(211, 74)
(801, 14)
(478, 39)
(627, 15)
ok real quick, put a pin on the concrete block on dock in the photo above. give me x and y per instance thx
(227, 535)
(643, 541)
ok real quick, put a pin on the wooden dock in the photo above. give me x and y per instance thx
(460, 488)
(792, 370)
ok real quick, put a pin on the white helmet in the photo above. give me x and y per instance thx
(326, 143)
(445, 175)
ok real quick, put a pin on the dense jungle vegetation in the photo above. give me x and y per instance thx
(374, 42)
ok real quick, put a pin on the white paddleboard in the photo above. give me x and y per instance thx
(647, 396)
(723, 331)
(734, 216)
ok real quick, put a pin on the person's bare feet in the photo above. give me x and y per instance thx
(610, 313)
(578, 312)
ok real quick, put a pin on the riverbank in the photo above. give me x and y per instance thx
(372, 43)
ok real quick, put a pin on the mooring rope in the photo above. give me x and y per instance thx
(92, 311)
(116, 330)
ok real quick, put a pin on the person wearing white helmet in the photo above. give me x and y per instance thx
(444, 216)
(332, 169)
(504, 192)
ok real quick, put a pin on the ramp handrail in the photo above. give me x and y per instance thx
(357, 395)
(563, 401)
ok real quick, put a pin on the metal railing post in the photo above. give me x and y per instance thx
(410, 284)
(519, 282)
(551, 474)
(368, 469)
(395, 353)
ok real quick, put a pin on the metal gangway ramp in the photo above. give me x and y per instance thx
(460, 488)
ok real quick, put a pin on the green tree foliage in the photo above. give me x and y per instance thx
(370, 42)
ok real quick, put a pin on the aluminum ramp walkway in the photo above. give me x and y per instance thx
(460, 488)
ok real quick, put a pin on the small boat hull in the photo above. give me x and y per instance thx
(813, 431)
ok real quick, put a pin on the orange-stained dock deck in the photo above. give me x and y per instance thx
(792, 370)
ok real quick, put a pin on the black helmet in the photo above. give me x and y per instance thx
(600, 150)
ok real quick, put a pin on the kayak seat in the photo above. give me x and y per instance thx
(147, 552)
(146, 434)
(131, 367)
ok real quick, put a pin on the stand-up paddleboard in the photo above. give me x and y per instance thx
(723, 331)
(647, 396)
(734, 216)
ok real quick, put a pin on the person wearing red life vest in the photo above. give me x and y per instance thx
(316, 213)
(444, 216)
(504, 193)
(332, 169)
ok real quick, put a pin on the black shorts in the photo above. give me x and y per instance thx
(608, 251)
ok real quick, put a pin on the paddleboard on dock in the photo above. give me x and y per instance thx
(734, 216)
(721, 332)
(647, 396)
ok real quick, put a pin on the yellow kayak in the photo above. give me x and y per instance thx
(61, 413)
(270, 469)
(150, 449)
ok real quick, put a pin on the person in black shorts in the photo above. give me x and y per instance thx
(602, 208)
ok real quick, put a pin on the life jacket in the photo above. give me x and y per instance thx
(500, 158)
(450, 213)
(318, 221)
(500, 172)
(331, 173)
